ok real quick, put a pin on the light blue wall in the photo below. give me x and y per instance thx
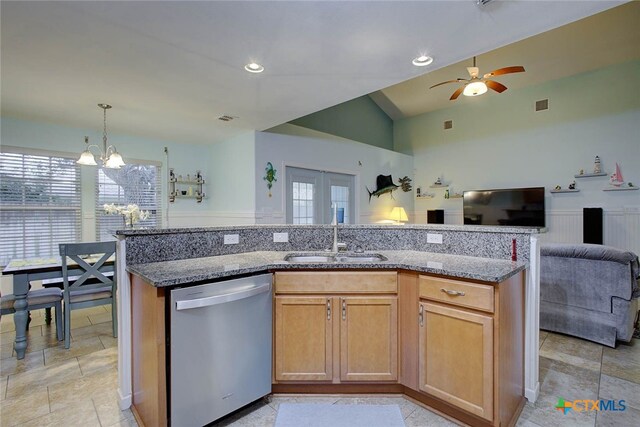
(185, 158)
(359, 120)
(499, 141)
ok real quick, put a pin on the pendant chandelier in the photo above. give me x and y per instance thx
(109, 156)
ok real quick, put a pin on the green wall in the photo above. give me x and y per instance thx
(359, 120)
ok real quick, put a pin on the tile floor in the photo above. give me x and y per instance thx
(77, 387)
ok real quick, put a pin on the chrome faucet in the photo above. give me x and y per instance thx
(336, 246)
(334, 222)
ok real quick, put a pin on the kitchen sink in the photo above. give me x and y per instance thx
(342, 258)
(360, 258)
(309, 258)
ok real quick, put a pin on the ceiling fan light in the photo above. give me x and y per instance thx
(86, 158)
(474, 89)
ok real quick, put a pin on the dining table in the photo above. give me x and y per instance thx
(26, 271)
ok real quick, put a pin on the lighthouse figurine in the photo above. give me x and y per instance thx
(596, 166)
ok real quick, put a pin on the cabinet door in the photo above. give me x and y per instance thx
(456, 357)
(368, 339)
(303, 339)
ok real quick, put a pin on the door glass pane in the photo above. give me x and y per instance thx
(340, 196)
(303, 203)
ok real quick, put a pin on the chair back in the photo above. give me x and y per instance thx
(95, 268)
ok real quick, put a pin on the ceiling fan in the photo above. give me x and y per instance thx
(476, 85)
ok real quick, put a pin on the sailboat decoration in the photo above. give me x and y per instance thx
(616, 178)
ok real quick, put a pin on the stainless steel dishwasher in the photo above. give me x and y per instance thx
(220, 348)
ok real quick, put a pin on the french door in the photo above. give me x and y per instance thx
(310, 194)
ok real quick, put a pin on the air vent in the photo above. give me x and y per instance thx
(542, 105)
(226, 118)
(448, 124)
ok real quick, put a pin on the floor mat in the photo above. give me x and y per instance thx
(328, 415)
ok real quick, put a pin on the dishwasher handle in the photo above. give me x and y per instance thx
(221, 299)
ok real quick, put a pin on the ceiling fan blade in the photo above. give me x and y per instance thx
(449, 81)
(456, 94)
(498, 87)
(505, 70)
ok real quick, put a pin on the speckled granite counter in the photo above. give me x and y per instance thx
(179, 272)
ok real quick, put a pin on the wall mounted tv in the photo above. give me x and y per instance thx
(509, 206)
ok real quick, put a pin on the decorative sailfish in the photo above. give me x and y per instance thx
(384, 184)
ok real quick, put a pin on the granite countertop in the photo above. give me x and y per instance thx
(179, 272)
(443, 227)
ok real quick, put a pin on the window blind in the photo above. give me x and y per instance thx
(40, 204)
(134, 183)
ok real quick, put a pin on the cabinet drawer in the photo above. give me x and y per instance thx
(464, 294)
(336, 282)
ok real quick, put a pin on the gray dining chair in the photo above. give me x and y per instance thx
(38, 299)
(92, 288)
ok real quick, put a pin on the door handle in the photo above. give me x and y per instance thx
(221, 299)
(421, 315)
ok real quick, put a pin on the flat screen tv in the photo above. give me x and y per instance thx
(508, 206)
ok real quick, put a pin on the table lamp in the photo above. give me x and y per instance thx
(398, 214)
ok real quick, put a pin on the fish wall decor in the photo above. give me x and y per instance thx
(384, 184)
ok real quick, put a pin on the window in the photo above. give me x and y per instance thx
(310, 194)
(40, 203)
(135, 183)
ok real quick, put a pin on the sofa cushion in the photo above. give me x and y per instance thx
(593, 252)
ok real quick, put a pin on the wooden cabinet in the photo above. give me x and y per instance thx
(333, 336)
(369, 339)
(303, 339)
(456, 357)
(471, 346)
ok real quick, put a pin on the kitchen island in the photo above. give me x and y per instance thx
(414, 279)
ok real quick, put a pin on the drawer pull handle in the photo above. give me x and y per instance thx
(328, 309)
(452, 292)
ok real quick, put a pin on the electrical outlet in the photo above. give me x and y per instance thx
(231, 239)
(280, 237)
(434, 238)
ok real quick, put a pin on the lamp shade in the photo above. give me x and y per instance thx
(86, 158)
(114, 161)
(398, 214)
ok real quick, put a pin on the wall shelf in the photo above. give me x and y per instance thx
(456, 196)
(438, 186)
(589, 175)
(186, 188)
(426, 196)
(621, 188)
(567, 190)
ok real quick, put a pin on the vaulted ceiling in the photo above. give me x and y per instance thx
(171, 68)
(610, 37)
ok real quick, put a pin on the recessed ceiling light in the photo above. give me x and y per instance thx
(254, 67)
(422, 60)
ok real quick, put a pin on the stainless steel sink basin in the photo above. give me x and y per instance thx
(309, 258)
(360, 258)
(343, 258)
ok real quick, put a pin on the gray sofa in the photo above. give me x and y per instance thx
(589, 291)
